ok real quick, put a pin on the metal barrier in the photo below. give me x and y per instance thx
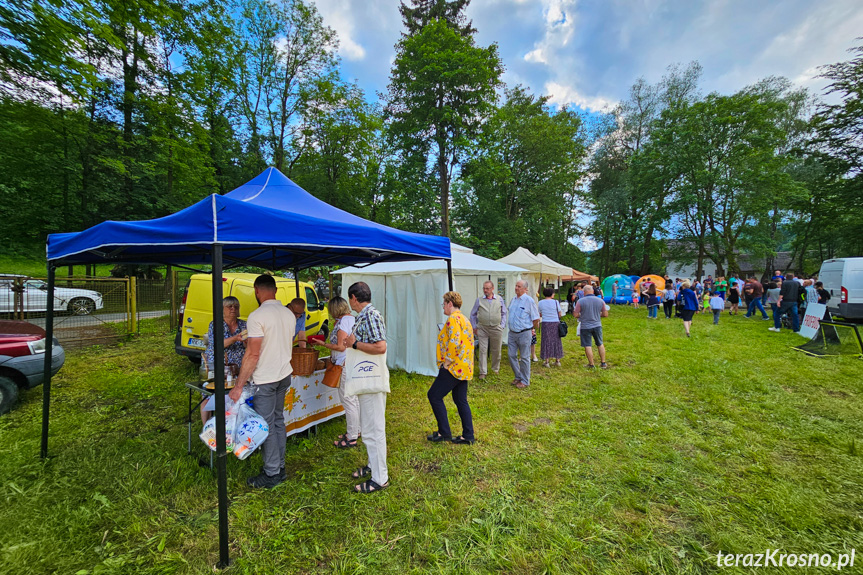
(88, 310)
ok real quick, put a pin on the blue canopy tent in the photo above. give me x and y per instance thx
(269, 222)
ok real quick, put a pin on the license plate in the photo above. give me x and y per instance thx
(195, 342)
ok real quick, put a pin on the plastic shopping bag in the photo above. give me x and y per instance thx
(208, 435)
(250, 432)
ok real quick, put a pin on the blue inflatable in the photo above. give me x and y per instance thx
(624, 289)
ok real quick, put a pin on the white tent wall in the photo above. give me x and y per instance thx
(411, 306)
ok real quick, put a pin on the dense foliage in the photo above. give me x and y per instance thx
(136, 109)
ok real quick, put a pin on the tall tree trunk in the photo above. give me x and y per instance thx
(444, 190)
(130, 80)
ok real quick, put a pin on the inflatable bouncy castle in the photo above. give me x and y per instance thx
(624, 289)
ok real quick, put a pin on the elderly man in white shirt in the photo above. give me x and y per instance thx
(488, 318)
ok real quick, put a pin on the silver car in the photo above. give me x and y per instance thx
(34, 296)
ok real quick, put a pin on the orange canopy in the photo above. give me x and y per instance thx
(578, 276)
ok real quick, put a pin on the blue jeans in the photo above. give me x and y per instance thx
(777, 317)
(652, 311)
(791, 309)
(756, 304)
(518, 349)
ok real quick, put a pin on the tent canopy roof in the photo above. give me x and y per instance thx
(269, 222)
(538, 264)
(464, 262)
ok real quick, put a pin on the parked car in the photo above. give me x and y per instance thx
(843, 279)
(22, 359)
(34, 294)
(196, 308)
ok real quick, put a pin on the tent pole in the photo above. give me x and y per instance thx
(297, 280)
(49, 352)
(219, 392)
(449, 273)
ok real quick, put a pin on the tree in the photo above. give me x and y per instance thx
(523, 185)
(424, 12)
(441, 90)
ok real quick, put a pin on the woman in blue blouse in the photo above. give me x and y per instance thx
(235, 341)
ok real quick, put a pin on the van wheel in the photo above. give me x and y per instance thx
(195, 359)
(8, 394)
(325, 330)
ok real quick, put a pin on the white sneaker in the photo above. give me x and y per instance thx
(772, 329)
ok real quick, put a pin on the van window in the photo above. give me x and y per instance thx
(246, 295)
(311, 299)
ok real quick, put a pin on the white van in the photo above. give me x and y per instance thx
(843, 279)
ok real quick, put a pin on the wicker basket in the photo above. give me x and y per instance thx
(303, 360)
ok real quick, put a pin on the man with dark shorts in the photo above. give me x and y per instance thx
(590, 310)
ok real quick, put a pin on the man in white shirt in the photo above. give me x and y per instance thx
(267, 364)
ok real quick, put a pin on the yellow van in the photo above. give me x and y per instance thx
(196, 308)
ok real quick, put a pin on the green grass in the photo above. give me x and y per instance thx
(727, 441)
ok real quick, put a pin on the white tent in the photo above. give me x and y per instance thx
(409, 296)
(540, 268)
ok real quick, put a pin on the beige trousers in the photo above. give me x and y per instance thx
(489, 337)
(373, 407)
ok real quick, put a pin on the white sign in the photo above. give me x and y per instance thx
(814, 314)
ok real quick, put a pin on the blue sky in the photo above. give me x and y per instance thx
(587, 54)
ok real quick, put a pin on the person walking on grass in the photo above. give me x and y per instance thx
(652, 302)
(551, 347)
(523, 321)
(690, 305)
(717, 304)
(370, 336)
(267, 363)
(668, 299)
(454, 355)
(590, 310)
(756, 304)
(789, 298)
(733, 298)
(488, 318)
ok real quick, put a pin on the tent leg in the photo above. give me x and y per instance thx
(449, 273)
(219, 392)
(49, 352)
(297, 280)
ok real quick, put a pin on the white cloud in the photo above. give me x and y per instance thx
(589, 53)
(567, 95)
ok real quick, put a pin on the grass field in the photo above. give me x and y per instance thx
(729, 441)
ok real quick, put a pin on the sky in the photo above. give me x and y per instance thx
(587, 54)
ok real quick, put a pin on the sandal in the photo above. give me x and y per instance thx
(370, 486)
(344, 442)
(361, 472)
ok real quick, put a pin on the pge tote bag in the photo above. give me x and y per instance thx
(366, 373)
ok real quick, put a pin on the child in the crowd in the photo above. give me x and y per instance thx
(652, 302)
(717, 304)
(705, 302)
(635, 299)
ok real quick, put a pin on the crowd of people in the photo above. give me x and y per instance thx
(262, 346)
(786, 295)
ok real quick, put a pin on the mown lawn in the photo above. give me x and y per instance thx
(727, 441)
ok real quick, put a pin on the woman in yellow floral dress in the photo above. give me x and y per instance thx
(455, 360)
